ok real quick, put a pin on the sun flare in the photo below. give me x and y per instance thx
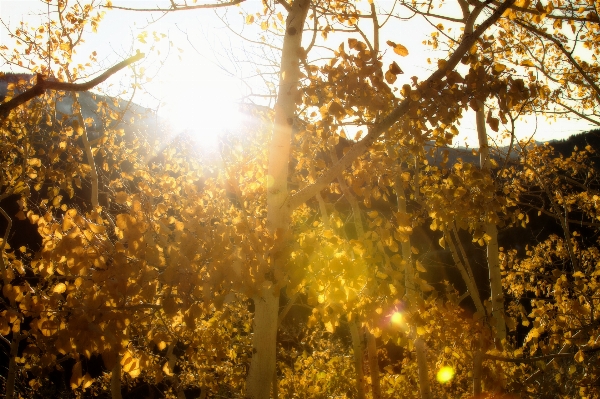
(201, 112)
(445, 374)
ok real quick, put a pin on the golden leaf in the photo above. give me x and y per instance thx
(87, 380)
(390, 77)
(527, 63)
(76, 377)
(499, 67)
(121, 197)
(329, 327)
(166, 369)
(97, 228)
(59, 288)
(398, 48)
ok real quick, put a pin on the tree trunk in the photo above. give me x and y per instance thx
(357, 348)
(477, 365)
(409, 274)
(492, 231)
(115, 380)
(373, 365)
(464, 268)
(360, 231)
(264, 338)
(421, 350)
(12, 366)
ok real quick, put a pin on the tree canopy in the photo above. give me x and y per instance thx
(305, 260)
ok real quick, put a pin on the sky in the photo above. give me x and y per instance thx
(194, 75)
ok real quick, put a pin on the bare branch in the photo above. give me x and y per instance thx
(178, 7)
(42, 85)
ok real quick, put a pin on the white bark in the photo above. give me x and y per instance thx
(493, 254)
(264, 339)
(266, 304)
(421, 350)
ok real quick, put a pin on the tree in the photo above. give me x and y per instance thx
(179, 248)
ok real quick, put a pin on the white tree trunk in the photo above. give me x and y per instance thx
(264, 338)
(493, 255)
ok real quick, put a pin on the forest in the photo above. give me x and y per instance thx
(339, 244)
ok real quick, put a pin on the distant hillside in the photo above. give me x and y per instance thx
(580, 140)
(134, 118)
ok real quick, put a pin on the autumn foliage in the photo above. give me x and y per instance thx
(301, 261)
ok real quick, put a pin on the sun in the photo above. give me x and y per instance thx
(202, 109)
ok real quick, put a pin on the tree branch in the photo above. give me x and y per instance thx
(177, 7)
(361, 147)
(42, 85)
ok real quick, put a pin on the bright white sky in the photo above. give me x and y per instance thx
(196, 88)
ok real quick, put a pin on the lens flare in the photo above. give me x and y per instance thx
(397, 319)
(445, 374)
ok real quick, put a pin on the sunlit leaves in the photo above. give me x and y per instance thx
(398, 48)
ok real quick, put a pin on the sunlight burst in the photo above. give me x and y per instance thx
(445, 374)
(203, 109)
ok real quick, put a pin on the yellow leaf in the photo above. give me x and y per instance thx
(59, 288)
(250, 19)
(121, 197)
(87, 380)
(329, 327)
(579, 356)
(398, 48)
(381, 275)
(527, 63)
(390, 77)
(420, 267)
(97, 228)
(76, 377)
(499, 67)
(167, 370)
